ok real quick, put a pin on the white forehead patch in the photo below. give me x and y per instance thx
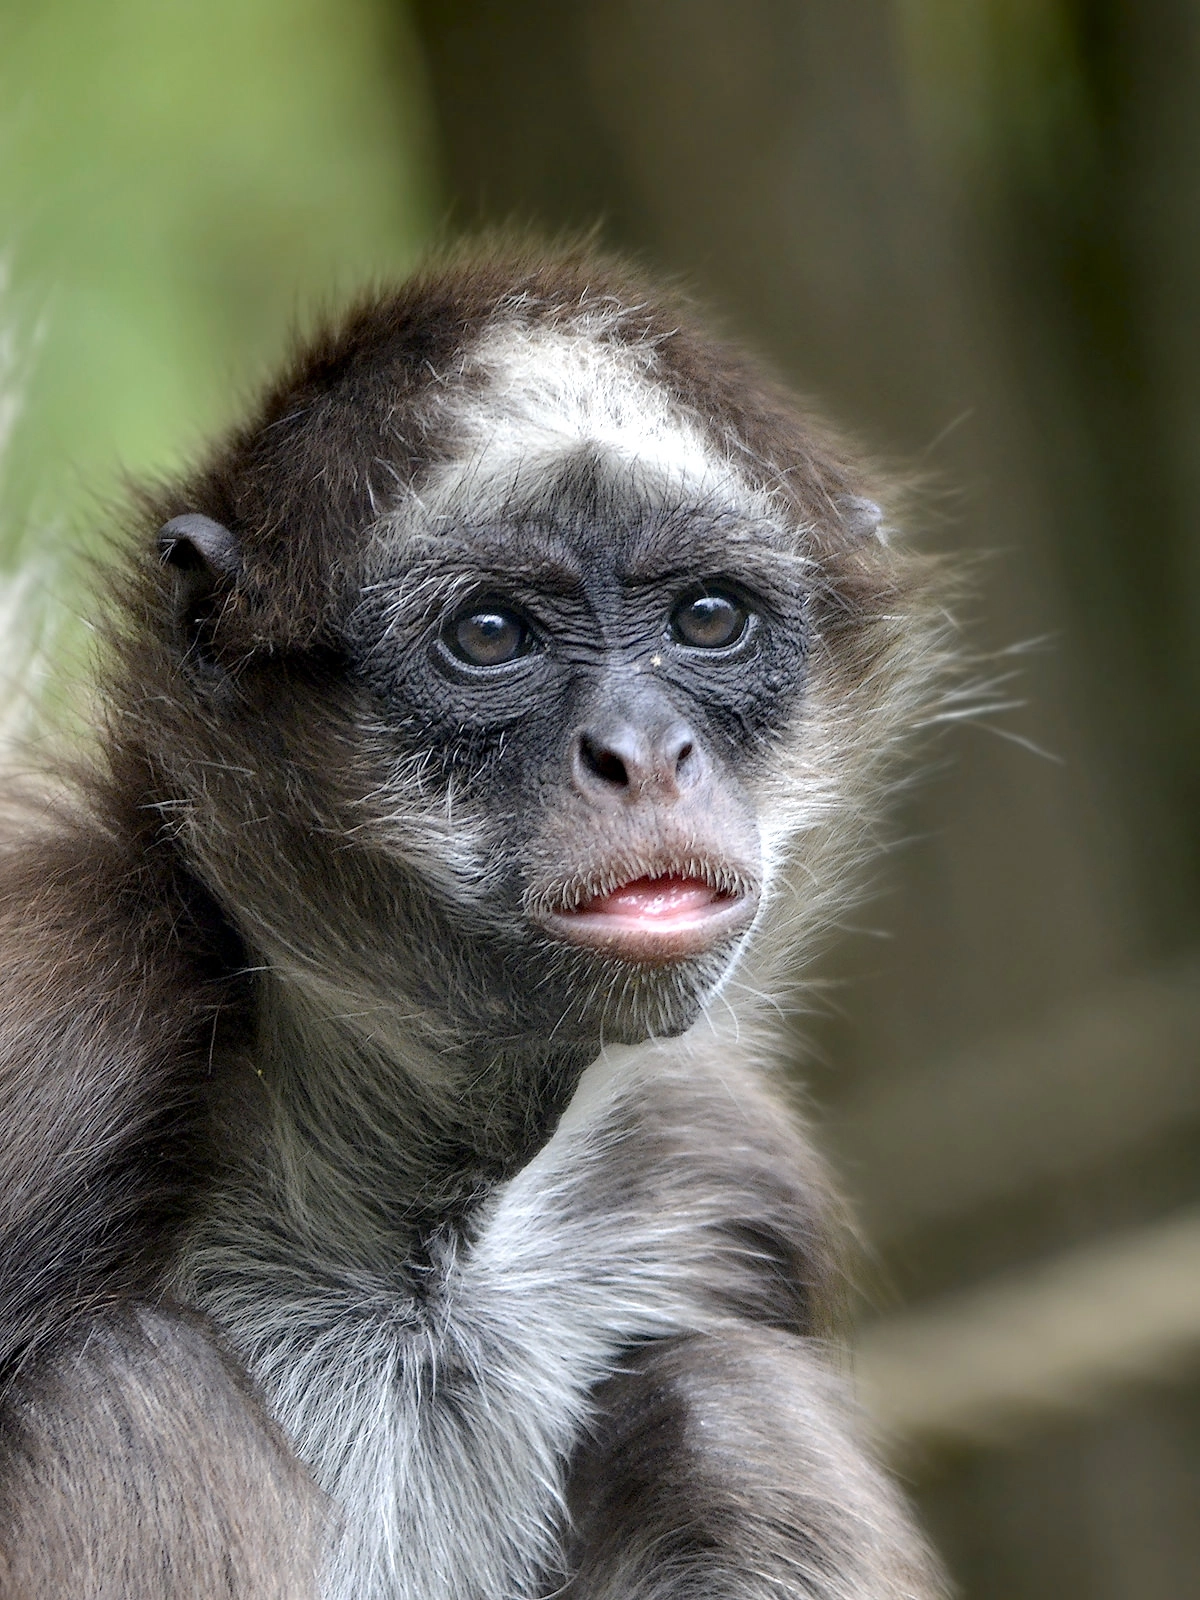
(535, 395)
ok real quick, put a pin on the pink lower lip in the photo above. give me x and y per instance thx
(653, 920)
(656, 902)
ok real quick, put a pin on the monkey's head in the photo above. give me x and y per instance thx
(499, 667)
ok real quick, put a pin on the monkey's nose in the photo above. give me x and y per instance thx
(623, 761)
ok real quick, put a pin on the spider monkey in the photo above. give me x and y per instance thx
(397, 1197)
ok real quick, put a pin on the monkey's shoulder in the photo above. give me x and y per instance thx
(689, 1160)
(105, 1023)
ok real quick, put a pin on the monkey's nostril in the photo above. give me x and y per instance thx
(604, 763)
(683, 763)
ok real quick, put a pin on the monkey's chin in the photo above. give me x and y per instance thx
(654, 921)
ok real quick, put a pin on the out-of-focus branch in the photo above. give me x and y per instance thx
(1099, 1080)
(980, 1367)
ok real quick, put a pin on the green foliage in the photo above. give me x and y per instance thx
(180, 182)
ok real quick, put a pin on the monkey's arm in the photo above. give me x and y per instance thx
(726, 1460)
(133, 1460)
(136, 1465)
(103, 1033)
(726, 1465)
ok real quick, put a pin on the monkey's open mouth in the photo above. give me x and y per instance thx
(665, 917)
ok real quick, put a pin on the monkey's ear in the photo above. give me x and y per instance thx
(205, 560)
(863, 518)
(193, 543)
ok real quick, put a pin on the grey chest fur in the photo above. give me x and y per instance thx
(441, 1429)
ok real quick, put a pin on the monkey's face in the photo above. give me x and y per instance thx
(537, 777)
(571, 704)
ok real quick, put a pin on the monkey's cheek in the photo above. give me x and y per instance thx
(654, 940)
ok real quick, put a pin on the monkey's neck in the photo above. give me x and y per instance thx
(383, 1127)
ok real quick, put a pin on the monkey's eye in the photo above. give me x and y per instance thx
(488, 636)
(710, 620)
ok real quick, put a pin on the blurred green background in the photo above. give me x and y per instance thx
(972, 227)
